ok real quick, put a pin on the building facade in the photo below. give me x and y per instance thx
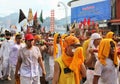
(106, 12)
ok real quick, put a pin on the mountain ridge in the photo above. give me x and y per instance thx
(13, 19)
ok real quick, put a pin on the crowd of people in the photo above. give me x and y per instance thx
(72, 60)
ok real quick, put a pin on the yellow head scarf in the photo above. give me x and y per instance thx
(85, 47)
(55, 45)
(76, 61)
(109, 34)
(70, 40)
(104, 50)
(61, 41)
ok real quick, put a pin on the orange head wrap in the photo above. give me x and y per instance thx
(70, 40)
(110, 35)
(55, 45)
(37, 37)
(76, 61)
(61, 41)
(104, 50)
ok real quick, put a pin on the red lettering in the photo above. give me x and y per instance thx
(88, 8)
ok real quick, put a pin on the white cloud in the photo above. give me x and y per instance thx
(10, 6)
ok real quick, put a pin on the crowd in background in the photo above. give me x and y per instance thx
(73, 59)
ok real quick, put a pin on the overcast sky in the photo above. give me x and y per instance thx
(12, 6)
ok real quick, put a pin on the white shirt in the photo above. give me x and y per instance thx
(5, 49)
(29, 66)
(13, 57)
(107, 73)
(59, 51)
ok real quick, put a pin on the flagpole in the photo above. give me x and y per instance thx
(66, 12)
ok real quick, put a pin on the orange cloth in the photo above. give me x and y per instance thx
(70, 40)
(76, 61)
(110, 35)
(104, 50)
(85, 47)
(55, 45)
(37, 37)
(61, 41)
(63, 36)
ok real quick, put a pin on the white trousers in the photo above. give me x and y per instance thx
(51, 65)
(40, 70)
(90, 75)
(119, 78)
(0, 70)
(1, 66)
(6, 68)
(29, 80)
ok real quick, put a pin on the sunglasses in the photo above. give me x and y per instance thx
(75, 45)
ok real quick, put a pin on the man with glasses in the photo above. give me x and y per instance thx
(29, 58)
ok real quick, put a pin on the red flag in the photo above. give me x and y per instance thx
(35, 16)
(88, 22)
(84, 22)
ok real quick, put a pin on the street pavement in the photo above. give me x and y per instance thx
(12, 75)
(8, 82)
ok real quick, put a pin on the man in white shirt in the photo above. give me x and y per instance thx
(13, 56)
(4, 52)
(91, 57)
(29, 59)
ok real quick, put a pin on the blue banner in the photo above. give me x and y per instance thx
(96, 11)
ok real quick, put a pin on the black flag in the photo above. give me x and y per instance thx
(68, 28)
(21, 16)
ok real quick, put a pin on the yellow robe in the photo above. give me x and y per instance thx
(68, 78)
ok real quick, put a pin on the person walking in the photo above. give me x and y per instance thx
(4, 52)
(69, 68)
(29, 59)
(13, 56)
(105, 67)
